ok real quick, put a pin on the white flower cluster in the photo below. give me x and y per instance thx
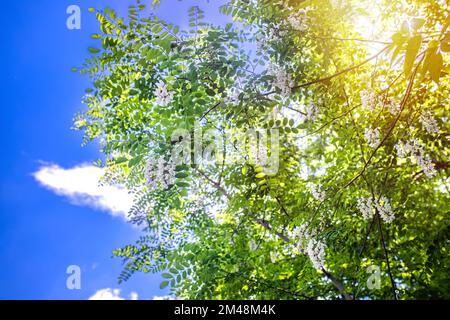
(299, 20)
(393, 107)
(276, 33)
(283, 80)
(308, 244)
(414, 149)
(311, 111)
(372, 136)
(429, 122)
(232, 96)
(384, 209)
(159, 172)
(274, 256)
(318, 193)
(162, 94)
(369, 99)
(367, 208)
(316, 253)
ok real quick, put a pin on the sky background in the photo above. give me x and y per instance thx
(52, 213)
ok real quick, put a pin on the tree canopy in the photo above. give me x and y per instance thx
(300, 151)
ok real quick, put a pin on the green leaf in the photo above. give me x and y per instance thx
(93, 50)
(445, 47)
(167, 275)
(412, 49)
(417, 23)
(399, 38)
(120, 160)
(164, 284)
(181, 175)
(134, 161)
(435, 68)
(182, 184)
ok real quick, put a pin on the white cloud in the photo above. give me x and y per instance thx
(80, 185)
(114, 294)
(111, 294)
(163, 298)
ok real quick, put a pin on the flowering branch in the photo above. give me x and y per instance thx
(265, 224)
(393, 124)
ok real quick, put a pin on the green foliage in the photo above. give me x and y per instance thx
(228, 229)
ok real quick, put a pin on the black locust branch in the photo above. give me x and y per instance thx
(265, 224)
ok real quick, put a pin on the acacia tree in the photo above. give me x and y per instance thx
(349, 197)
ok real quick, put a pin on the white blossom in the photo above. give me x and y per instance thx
(402, 149)
(369, 99)
(283, 80)
(274, 256)
(317, 193)
(311, 111)
(276, 33)
(384, 209)
(159, 172)
(365, 207)
(307, 243)
(382, 82)
(372, 136)
(393, 107)
(429, 122)
(162, 95)
(299, 20)
(301, 236)
(414, 149)
(316, 253)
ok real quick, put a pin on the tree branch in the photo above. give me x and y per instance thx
(265, 224)
(386, 255)
(307, 84)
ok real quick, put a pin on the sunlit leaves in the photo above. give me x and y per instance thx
(412, 49)
(433, 64)
(217, 230)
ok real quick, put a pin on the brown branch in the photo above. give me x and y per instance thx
(214, 183)
(307, 84)
(352, 39)
(386, 255)
(337, 284)
(209, 110)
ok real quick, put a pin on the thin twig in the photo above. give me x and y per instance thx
(386, 255)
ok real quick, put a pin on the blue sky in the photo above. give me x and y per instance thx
(62, 219)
